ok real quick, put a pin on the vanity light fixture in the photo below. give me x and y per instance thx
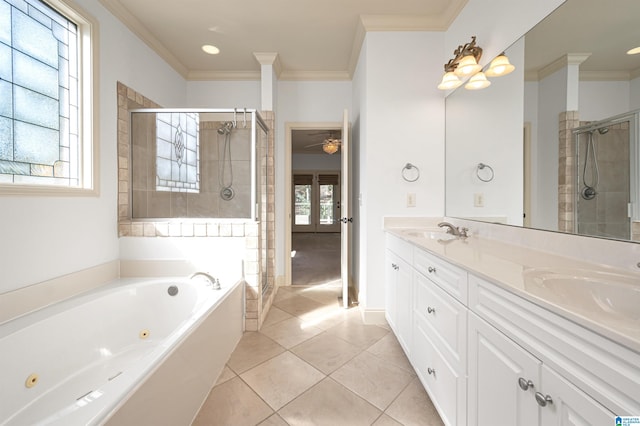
(499, 66)
(477, 81)
(465, 63)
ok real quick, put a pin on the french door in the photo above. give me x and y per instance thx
(316, 199)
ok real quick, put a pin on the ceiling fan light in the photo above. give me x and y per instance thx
(330, 146)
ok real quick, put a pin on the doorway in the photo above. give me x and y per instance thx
(314, 205)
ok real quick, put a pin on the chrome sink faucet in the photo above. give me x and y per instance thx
(457, 231)
(213, 282)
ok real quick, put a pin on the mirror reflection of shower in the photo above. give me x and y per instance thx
(591, 160)
(606, 172)
(225, 172)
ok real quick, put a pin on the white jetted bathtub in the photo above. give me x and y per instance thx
(136, 352)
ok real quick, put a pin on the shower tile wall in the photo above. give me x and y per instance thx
(148, 202)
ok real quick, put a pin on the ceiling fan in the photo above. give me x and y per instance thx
(329, 145)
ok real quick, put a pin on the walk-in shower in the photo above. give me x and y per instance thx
(607, 176)
(195, 163)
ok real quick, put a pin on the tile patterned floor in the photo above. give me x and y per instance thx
(313, 363)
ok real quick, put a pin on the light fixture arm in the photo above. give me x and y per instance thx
(469, 49)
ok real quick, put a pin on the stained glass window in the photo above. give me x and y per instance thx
(39, 96)
(177, 152)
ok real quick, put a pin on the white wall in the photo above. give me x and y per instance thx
(634, 101)
(401, 120)
(46, 237)
(223, 94)
(603, 99)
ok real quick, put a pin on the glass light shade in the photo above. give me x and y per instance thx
(449, 81)
(499, 66)
(467, 66)
(477, 82)
(330, 146)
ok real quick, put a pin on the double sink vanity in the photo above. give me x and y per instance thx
(499, 333)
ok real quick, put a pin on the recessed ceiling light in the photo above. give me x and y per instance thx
(210, 49)
(633, 51)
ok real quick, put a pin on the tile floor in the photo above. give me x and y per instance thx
(314, 363)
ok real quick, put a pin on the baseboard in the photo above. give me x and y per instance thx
(373, 316)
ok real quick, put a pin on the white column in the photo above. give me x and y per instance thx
(269, 71)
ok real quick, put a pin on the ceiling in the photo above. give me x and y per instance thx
(313, 39)
(605, 29)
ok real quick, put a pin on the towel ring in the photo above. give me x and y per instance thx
(406, 170)
(482, 166)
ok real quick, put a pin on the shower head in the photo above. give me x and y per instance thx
(603, 130)
(226, 128)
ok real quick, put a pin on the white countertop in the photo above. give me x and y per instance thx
(507, 265)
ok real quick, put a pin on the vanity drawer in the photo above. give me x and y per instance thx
(443, 317)
(451, 278)
(447, 387)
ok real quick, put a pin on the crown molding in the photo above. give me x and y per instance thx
(562, 62)
(315, 75)
(131, 22)
(202, 75)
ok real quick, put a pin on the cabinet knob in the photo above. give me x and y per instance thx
(524, 383)
(395, 267)
(543, 400)
(431, 371)
(431, 310)
(431, 269)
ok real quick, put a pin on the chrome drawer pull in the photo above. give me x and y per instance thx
(431, 269)
(431, 371)
(543, 400)
(525, 384)
(431, 310)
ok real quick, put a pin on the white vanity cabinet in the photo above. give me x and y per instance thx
(533, 367)
(488, 355)
(398, 277)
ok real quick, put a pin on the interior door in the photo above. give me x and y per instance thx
(345, 235)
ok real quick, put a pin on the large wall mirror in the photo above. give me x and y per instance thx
(554, 145)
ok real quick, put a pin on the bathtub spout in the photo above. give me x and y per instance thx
(213, 282)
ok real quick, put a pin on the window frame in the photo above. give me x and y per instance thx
(88, 111)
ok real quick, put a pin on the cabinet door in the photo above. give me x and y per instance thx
(568, 405)
(496, 393)
(398, 276)
(391, 278)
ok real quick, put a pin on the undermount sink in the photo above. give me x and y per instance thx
(432, 235)
(615, 296)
